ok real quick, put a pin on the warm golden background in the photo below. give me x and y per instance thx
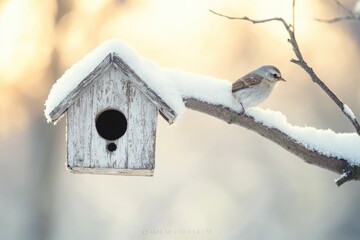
(221, 180)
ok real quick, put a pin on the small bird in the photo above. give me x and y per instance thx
(256, 86)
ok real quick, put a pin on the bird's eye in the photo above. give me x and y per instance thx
(275, 75)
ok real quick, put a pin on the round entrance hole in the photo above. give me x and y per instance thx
(111, 124)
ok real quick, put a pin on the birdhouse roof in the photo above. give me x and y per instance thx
(145, 76)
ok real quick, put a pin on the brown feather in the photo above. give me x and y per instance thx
(246, 81)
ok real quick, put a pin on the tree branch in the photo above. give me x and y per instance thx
(250, 20)
(301, 62)
(345, 177)
(345, 8)
(350, 15)
(341, 166)
(293, 14)
(334, 20)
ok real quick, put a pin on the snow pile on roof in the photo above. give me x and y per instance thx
(170, 84)
(326, 142)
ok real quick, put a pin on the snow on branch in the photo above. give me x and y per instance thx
(337, 152)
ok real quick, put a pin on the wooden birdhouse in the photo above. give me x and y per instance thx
(111, 118)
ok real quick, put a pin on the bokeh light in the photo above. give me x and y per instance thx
(213, 177)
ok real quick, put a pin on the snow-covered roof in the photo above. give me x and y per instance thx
(70, 86)
(169, 84)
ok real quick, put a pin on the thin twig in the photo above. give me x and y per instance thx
(350, 15)
(301, 62)
(293, 15)
(345, 177)
(250, 20)
(350, 12)
(338, 19)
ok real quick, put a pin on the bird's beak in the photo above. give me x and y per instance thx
(281, 79)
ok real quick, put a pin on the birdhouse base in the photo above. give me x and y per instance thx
(112, 171)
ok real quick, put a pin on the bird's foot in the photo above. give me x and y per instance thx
(241, 113)
(242, 110)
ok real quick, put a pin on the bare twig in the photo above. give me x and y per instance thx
(338, 19)
(350, 15)
(302, 63)
(293, 15)
(345, 177)
(350, 12)
(250, 20)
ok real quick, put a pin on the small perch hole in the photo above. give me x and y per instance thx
(111, 147)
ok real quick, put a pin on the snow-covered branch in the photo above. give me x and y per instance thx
(303, 142)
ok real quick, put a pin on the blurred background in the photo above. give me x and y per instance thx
(209, 182)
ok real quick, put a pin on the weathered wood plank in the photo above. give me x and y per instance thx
(109, 92)
(79, 130)
(114, 171)
(142, 130)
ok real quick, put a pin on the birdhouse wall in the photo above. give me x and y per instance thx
(135, 150)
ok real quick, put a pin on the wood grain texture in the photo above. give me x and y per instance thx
(109, 92)
(113, 171)
(87, 150)
(79, 131)
(142, 126)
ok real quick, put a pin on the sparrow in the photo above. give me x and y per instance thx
(256, 86)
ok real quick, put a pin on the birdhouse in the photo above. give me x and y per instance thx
(111, 117)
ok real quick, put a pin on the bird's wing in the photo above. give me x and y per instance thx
(246, 81)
